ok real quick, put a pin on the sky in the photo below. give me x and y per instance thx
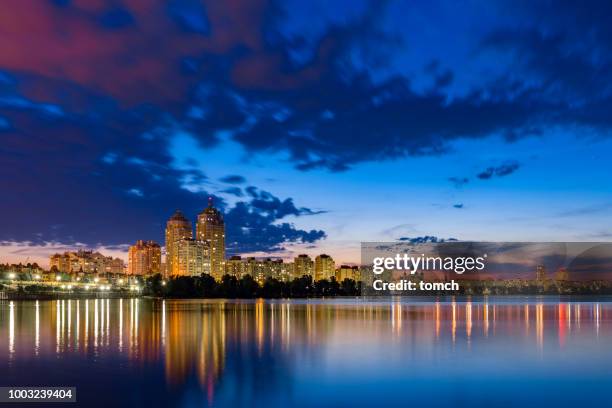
(314, 125)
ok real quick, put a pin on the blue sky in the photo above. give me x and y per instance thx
(316, 125)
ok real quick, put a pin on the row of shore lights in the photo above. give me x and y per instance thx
(87, 287)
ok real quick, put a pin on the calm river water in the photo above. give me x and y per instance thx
(187, 353)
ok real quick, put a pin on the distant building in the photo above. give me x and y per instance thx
(348, 272)
(303, 265)
(211, 229)
(562, 275)
(324, 267)
(258, 269)
(177, 228)
(61, 262)
(86, 262)
(235, 266)
(192, 258)
(274, 268)
(252, 267)
(144, 258)
(540, 273)
(286, 271)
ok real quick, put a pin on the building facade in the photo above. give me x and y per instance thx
(144, 258)
(177, 228)
(324, 267)
(210, 228)
(86, 262)
(235, 266)
(303, 265)
(192, 257)
(348, 272)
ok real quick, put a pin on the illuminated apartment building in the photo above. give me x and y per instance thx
(177, 228)
(235, 266)
(348, 272)
(286, 272)
(324, 267)
(192, 258)
(86, 262)
(144, 258)
(303, 265)
(211, 229)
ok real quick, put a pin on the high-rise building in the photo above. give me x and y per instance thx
(211, 229)
(303, 265)
(540, 273)
(192, 257)
(286, 271)
(324, 267)
(144, 258)
(177, 228)
(274, 268)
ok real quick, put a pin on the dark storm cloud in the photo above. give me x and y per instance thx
(274, 207)
(256, 221)
(498, 171)
(91, 99)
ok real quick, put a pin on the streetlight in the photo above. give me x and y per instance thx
(12, 275)
(58, 278)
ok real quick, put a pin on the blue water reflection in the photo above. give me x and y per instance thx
(449, 352)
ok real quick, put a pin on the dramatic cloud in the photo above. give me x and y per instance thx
(256, 221)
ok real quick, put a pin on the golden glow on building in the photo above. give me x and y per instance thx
(144, 258)
(177, 228)
(303, 266)
(210, 228)
(324, 267)
(192, 258)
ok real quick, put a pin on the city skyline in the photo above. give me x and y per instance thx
(316, 126)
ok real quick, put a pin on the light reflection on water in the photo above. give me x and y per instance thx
(310, 353)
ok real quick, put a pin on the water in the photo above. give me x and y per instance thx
(140, 352)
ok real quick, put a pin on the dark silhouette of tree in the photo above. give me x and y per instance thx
(229, 287)
(247, 287)
(205, 286)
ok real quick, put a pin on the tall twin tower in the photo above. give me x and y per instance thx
(186, 256)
